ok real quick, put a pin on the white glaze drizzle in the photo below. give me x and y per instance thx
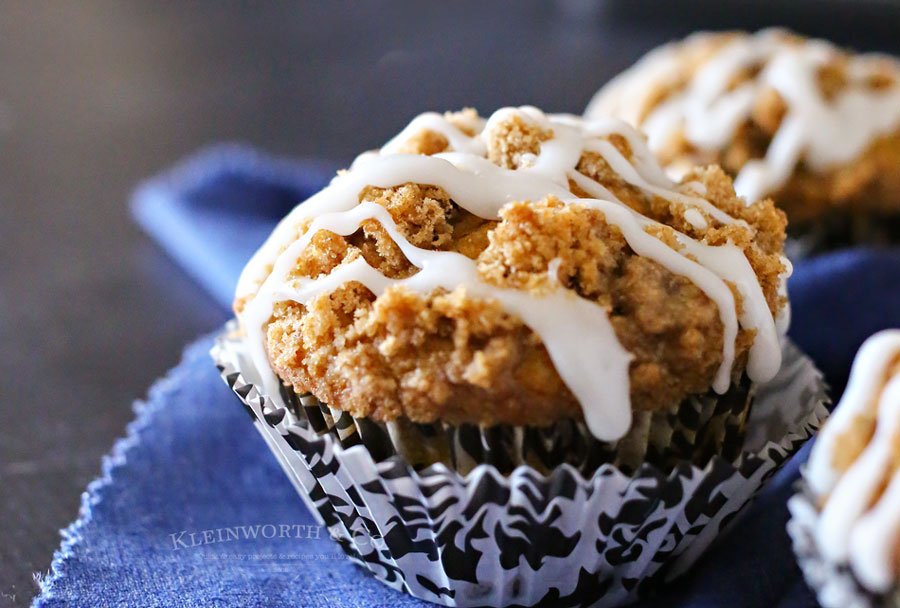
(783, 319)
(553, 267)
(696, 219)
(655, 181)
(432, 121)
(823, 133)
(595, 370)
(856, 526)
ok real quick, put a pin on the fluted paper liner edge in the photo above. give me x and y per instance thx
(488, 539)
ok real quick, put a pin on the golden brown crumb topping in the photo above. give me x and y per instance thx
(453, 357)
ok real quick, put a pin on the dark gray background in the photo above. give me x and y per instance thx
(95, 96)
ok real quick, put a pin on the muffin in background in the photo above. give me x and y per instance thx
(814, 126)
(528, 272)
(846, 521)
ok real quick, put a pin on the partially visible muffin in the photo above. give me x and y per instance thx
(848, 522)
(518, 271)
(815, 127)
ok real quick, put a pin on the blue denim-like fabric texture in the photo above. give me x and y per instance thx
(191, 462)
(172, 519)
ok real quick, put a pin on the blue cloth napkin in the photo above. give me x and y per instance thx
(192, 463)
(213, 210)
(192, 510)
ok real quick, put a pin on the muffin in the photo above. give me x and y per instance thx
(523, 271)
(508, 361)
(846, 521)
(815, 127)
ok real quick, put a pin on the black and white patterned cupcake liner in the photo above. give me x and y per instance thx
(695, 431)
(834, 584)
(559, 538)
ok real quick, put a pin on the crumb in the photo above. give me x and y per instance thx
(511, 140)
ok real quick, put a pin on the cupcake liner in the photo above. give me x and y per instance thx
(834, 584)
(485, 538)
(694, 431)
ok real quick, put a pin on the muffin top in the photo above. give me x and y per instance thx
(516, 270)
(797, 119)
(854, 468)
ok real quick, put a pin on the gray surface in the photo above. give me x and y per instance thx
(95, 96)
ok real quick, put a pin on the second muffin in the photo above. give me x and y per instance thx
(812, 125)
(845, 521)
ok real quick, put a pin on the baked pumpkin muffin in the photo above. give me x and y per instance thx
(527, 271)
(814, 126)
(846, 523)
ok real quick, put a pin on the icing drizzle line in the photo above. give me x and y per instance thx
(595, 370)
(823, 133)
